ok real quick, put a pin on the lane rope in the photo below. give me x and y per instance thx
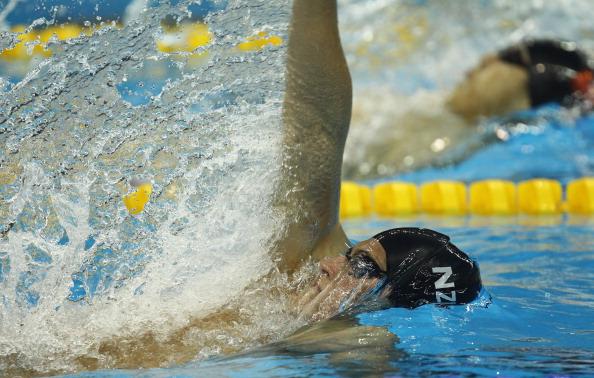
(486, 197)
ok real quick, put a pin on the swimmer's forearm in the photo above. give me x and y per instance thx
(317, 107)
(314, 31)
(316, 116)
(317, 71)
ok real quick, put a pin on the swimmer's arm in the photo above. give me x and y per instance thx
(317, 76)
(339, 335)
(316, 115)
(495, 88)
(317, 104)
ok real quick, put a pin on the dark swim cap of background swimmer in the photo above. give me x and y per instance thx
(424, 267)
(556, 69)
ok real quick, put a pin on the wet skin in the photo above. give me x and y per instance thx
(344, 280)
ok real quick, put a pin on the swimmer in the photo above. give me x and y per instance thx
(401, 267)
(523, 76)
(436, 128)
(405, 267)
(316, 117)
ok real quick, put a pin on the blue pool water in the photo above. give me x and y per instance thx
(543, 144)
(540, 320)
(76, 268)
(535, 317)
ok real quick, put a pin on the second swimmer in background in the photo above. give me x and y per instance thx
(405, 267)
(524, 76)
(419, 132)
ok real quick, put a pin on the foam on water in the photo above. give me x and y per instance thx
(76, 267)
(416, 44)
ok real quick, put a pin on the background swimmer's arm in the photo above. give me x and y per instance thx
(316, 115)
(494, 88)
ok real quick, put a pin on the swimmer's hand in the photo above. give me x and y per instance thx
(339, 335)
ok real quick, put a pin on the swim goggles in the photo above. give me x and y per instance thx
(362, 266)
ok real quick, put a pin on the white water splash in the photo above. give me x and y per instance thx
(77, 268)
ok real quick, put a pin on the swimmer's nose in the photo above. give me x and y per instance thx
(331, 266)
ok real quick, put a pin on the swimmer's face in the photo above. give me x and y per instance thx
(344, 279)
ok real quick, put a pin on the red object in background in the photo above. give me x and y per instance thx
(582, 80)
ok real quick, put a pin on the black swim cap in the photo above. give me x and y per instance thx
(552, 67)
(424, 267)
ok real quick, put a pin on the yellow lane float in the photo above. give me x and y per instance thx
(580, 196)
(259, 41)
(34, 43)
(486, 197)
(444, 197)
(395, 198)
(184, 38)
(493, 197)
(355, 200)
(29, 44)
(137, 200)
(366, 199)
(540, 196)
